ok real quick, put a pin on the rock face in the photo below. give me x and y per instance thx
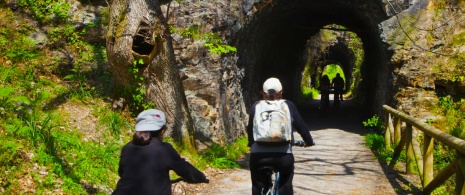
(211, 81)
(398, 69)
(421, 39)
(407, 48)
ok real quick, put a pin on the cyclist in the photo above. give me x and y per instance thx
(145, 161)
(338, 83)
(280, 157)
(324, 90)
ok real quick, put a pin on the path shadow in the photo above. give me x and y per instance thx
(348, 117)
(401, 182)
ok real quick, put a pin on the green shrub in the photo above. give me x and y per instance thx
(213, 42)
(46, 11)
(374, 123)
(114, 122)
(376, 143)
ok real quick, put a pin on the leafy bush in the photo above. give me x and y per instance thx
(213, 42)
(46, 10)
(374, 123)
(218, 156)
(376, 143)
(225, 157)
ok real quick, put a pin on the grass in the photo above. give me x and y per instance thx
(49, 104)
(218, 156)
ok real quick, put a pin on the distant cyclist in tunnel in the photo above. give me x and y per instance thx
(269, 152)
(338, 84)
(325, 84)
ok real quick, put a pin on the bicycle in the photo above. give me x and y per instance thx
(324, 101)
(337, 101)
(270, 170)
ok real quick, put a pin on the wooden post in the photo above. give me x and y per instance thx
(397, 126)
(428, 148)
(397, 151)
(418, 155)
(460, 174)
(442, 176)
(387, 132)
(410, 166)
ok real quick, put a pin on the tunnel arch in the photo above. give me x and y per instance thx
(273, 41)
(341, 55)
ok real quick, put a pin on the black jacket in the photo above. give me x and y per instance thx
(145, 169)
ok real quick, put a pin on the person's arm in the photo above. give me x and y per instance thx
(250, 125)
(299, 124)
(121, 159)
(183, 168)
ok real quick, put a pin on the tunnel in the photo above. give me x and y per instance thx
(272, 44)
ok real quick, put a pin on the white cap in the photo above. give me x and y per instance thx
(272, 84)
(150, 120)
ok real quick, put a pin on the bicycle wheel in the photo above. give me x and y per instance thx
(274, 190)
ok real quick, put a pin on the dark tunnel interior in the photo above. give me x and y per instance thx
(272, 45)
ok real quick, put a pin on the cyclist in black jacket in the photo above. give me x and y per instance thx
(280, 157)
(145, 161)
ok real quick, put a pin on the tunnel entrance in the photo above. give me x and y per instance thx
(277, 41)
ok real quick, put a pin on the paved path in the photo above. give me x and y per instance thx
(340, 163)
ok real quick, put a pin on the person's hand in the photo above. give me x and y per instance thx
(308, 145)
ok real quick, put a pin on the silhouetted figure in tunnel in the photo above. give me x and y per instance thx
(338, 84)
(324, 91)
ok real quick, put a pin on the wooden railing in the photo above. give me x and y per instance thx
(406, 138)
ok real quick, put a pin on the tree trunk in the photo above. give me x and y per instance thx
(138, 31)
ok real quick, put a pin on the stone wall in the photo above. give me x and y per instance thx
(211, 81)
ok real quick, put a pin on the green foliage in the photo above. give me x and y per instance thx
(37, 143)
(190, 32)
(20, 49)
(105, 16)
(213, 42)
(308, 94)
(215, 45)
(46, 11)
(374, 122)
(41, 132)
(113, 120)
(14, 42)
(65, 33)
(454, 113)
(225, 157)
(136, 89)
(331, 70)
(218, 156)
(376, 143)
(79, 83)
(356, 45)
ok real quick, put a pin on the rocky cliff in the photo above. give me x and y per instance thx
(427, 41)
(414, 52)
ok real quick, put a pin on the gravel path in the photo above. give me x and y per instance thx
(339, 163)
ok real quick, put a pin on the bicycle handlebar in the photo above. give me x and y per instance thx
(300, 143)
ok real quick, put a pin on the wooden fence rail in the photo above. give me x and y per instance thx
(423, 157)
